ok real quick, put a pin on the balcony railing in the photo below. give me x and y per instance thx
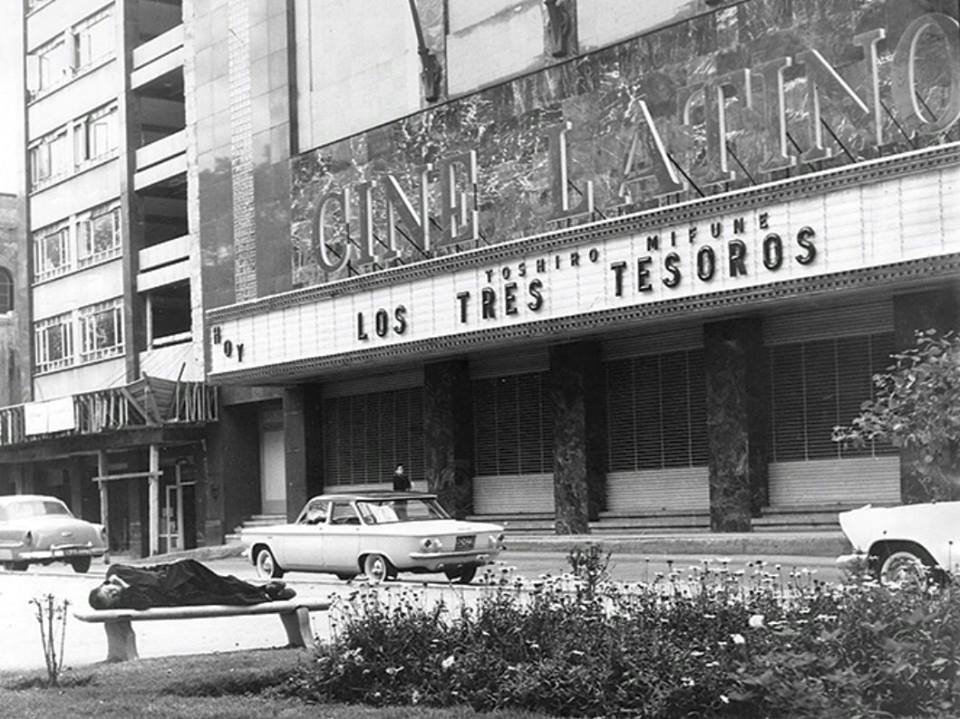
(149, 402)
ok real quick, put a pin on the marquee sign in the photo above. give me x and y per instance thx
(857, 226)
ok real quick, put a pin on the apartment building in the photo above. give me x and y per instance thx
(117, 407)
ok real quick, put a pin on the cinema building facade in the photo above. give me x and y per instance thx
(573, 263)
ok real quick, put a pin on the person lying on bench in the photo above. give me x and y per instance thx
(186, 582)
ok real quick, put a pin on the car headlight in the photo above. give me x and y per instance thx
(430, 544)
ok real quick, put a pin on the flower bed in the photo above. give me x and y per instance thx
(700, 642)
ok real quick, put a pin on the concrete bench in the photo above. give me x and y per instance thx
(122, 642)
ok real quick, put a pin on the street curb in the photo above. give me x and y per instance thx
(828, 545)
(217, 551)
(801, 544)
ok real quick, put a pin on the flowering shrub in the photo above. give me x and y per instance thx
(705, 642)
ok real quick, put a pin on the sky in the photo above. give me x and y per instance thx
(10, 155)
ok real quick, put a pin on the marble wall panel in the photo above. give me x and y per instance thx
(448, 435)
(600, 95)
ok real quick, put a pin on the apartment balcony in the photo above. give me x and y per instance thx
(157, 57)
(161, 160)
(164, 263)
(149, 402)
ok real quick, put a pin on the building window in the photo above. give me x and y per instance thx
(512, 434)
(657, 415)
(101, 330)
(95, 136)
(51, 65)
(98, 235)
(168, 314)
(6, 291)
(51, 252)
(366, 436)
(53, 338)
(93, 39)
(48, 159)
(817, 385)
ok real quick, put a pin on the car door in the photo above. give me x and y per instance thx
(303, 545)
(342, 538)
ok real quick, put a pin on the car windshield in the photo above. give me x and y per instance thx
(384, 511)
(32, 508)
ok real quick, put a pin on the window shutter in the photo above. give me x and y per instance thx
(786, 395)
(621, 425)
(508, 454)
(511, 430)
(675, 412)
(646, 412)
(484, 426)
(699, 451)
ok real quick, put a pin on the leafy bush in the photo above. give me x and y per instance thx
(917, 407)
(707, 642)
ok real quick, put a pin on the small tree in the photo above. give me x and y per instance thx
(51, 613)
(916, 407)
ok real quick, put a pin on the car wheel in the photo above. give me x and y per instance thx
(18, 566)
(376, 567)
(901, 566)
(81, 565)
(267, 567)
(463, 575)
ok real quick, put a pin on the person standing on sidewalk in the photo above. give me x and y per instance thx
(401, 482)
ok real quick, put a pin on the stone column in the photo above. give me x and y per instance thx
(448, 435)
(579, 426)
(918, 311)
(303, 446)
(737, 422)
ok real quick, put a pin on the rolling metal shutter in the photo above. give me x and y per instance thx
(656, 423)
(662, 490)
(820, 366)
(513, 445)
(365, 436)
(513, 494)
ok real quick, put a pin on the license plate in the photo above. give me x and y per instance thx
(68, 551)
(464, 543)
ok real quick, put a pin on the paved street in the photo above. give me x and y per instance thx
(86, 643)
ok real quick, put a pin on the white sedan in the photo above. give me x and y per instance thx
(377, 534)
(904, 540)
(36, 529)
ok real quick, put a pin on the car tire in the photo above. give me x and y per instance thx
(463, 575)
(897, 564)
(267, 567)
(81, 565)
(377, 568)
(18, 566)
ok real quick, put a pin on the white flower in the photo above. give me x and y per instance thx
(447, 663)
(756, 621)
(738, 639)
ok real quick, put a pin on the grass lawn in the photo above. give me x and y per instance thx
(188, 687)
